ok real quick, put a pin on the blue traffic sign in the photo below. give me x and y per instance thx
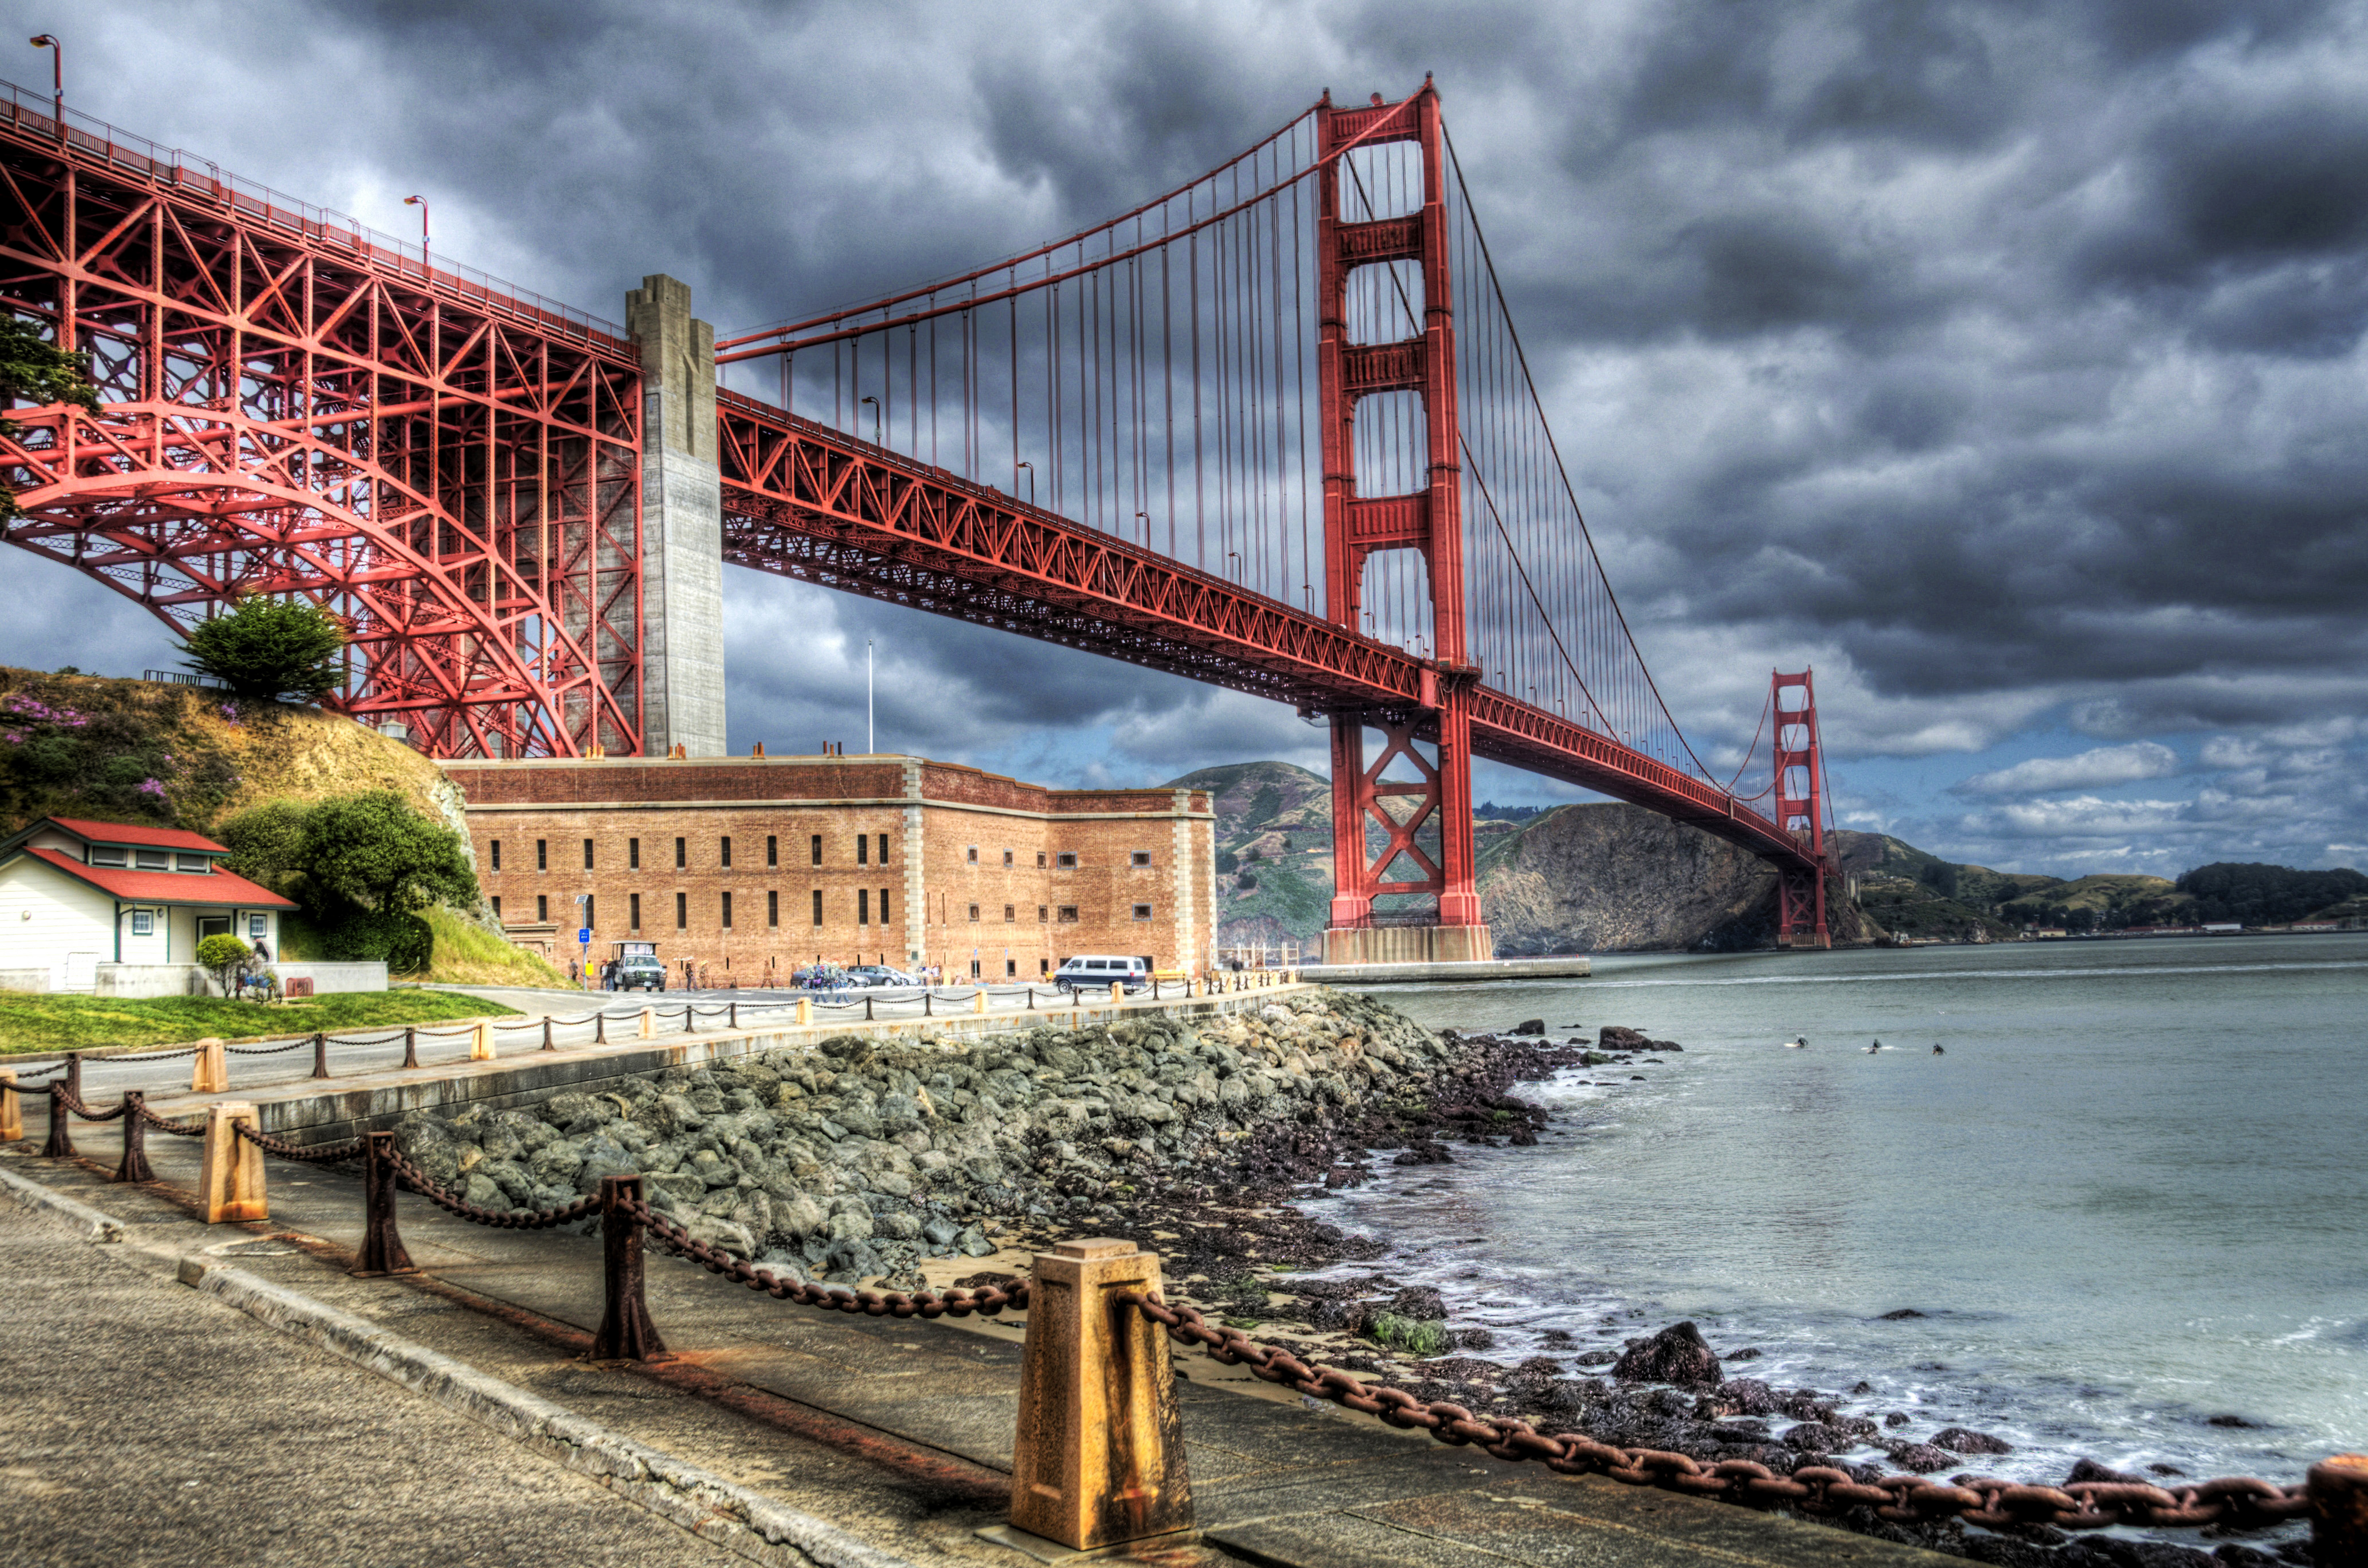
(584, 936)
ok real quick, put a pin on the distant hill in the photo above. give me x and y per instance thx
(1602, 878)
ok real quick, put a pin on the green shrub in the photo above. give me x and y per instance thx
(268, 647)
(221, 952)
(396, 937)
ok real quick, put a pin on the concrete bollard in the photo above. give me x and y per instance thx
(1099, 1456)
(231, 1180)
(649, 1023)
(2337, 1489)
(805, 1012)
(481, 1042)
(12, 1111)
(1118, 993)
(211, 1074)
(978, 1000)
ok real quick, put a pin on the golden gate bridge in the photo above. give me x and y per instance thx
(1274, 430)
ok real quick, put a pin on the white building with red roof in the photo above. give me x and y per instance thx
(77, 897)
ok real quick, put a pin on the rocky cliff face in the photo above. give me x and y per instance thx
(1608, 878)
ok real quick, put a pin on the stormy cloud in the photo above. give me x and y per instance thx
(2003, 361)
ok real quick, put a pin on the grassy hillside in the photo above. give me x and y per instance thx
(166, 755)
(1274, 850)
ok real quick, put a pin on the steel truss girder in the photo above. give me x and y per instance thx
(183, 511)
(292, 410)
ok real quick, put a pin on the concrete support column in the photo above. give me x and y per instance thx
(682, 523)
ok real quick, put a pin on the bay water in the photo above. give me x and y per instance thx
(2130, 1198)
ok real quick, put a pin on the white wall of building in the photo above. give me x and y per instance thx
(49, 921)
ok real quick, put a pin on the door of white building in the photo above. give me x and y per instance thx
(81, 972)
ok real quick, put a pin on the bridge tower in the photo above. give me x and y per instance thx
(1800, 811)
(1355, 527)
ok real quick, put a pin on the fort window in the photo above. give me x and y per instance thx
(817, 856)
(1068, 860)
(1141, 857)
(588, 853)
(863, 906)
(1011, 968)
(497, 906)
(974, 914)
(1142, 911)
(680, 859)
(542, 855)
(1006, 857)
(682, 912)
(817, 898)
(589, 924)
(883, 906)
(723, 853)
(541, 909)
(772, 850)
(772, 909)
(1068, 914)
(1042, 914)
(633, 910)
(727, 911)
(1010, 914)
(973, 854)
(863, 849)
(634, 854)
(883, 848)
(497, 847)
(1040, 860)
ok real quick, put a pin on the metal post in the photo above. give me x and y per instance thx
(1099, 1456)
(626, 1333)
(928, 1003)
(73, 1076)
(382, 1251)
(136, 1141)
(546, 1034)
(867, 1007)
(599, 1028)
(320, 1056)
(410, 1047)
(2337, 1489)
(733, 1014)
(60, 1144)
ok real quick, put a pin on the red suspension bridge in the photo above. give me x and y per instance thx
(1273, 430)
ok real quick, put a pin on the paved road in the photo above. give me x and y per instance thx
(149, 1424)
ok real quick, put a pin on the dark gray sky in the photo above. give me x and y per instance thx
(2003, 361)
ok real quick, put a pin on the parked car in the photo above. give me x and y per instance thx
(878, 974)
(641, 971)
(1098, 972)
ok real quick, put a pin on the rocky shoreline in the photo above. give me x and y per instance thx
(905, 1163)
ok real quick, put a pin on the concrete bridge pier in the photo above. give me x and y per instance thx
(682, 523)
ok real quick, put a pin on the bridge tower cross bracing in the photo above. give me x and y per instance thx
(1429, 520)
(1800, 791)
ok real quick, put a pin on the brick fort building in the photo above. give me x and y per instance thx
(753, 865)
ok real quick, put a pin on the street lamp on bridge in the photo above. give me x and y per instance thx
(420, 202)
(1031, 480)
(57, 77)
(875, 416)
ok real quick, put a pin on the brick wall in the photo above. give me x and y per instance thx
(1073, 882)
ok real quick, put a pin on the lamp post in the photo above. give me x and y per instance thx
(871, 746)
(420, 202)
(57, 77)
(1031, 480)
(875, 417)
(1145, 518)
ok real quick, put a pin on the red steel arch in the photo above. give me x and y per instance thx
(293, 404)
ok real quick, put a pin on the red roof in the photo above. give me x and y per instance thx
(125, 833)
(217, 887)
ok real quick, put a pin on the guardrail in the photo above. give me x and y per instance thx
(1098, 1459)
(210, 1072)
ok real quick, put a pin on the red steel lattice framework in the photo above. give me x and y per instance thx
(291, 405)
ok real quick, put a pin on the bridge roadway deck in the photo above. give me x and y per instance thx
(900, 1432)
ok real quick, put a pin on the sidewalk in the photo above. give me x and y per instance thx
(900, 1433)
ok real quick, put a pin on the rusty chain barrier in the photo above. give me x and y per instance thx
(2239, 1502)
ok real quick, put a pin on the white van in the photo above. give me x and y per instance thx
(1099, 972)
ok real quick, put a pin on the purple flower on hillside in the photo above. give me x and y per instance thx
(151, 787)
